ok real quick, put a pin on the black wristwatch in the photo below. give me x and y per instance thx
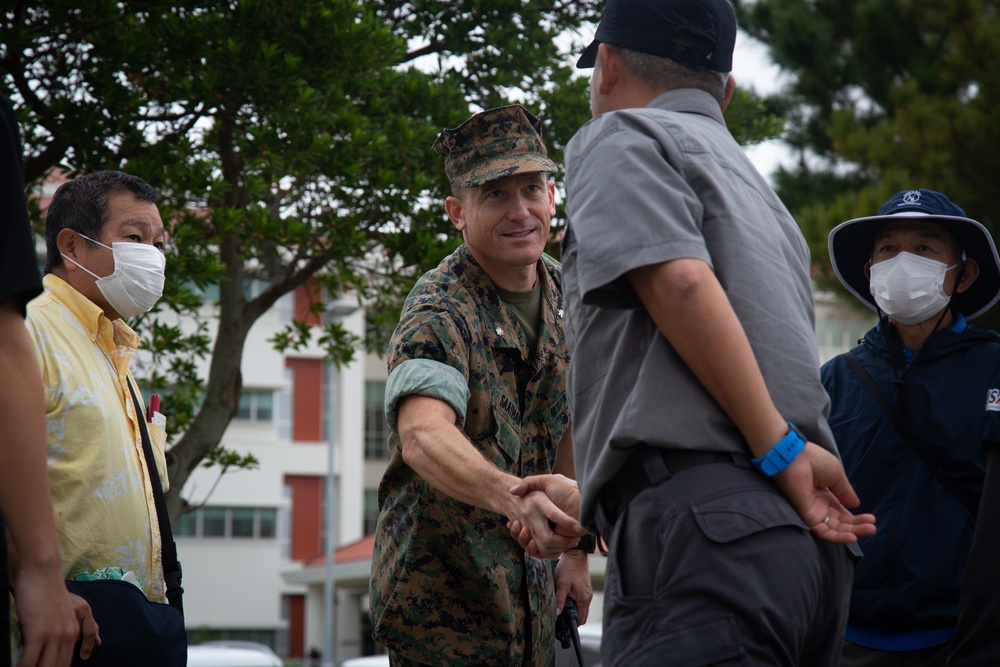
(587, 543)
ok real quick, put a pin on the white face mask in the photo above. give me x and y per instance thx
(909, 288)
(137, 281)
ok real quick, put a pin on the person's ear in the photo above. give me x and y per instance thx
(552, 197)
(456, 211)
(611, 67)
(70, 244)
(969, 275)
(868, 269)
(727, 96)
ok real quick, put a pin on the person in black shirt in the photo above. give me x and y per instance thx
(49, 624)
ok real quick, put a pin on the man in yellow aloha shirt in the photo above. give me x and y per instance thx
(104, 246)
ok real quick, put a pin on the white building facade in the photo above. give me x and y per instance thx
(302, 419)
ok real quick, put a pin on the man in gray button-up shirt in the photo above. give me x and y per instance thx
(701, 443)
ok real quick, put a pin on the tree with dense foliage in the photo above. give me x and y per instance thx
(883, 95)
(290, 142)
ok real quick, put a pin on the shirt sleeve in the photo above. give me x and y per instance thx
(629, 204)
(425, 377)
(19, 275)
(428, 356)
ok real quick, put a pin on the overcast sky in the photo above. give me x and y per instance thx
(753, 70)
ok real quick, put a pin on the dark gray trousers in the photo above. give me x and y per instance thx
(711, 566)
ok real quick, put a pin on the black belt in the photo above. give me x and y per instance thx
(632, 477)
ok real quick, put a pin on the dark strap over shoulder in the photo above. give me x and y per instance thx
(171, 566)
(971, 503)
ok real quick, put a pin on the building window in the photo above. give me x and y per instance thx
(213, 521)
(285, 527)
(241, 523)
(252, 288)
(371, 511)
(187, 526)
(283, 418)
(376, 427)
(267, 526)
(256, 405)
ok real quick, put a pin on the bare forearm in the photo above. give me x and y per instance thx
(690, 308)
(24, 486)
(441, 454)
(564, 456)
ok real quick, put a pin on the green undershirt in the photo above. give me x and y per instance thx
(526, 307)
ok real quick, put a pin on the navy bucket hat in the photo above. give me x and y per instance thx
(850, 244)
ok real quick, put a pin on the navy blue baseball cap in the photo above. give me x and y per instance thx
(850, 244)
(653, 26)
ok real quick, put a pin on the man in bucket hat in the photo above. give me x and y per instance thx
(690, 323)
(475, 400)
(914, 412)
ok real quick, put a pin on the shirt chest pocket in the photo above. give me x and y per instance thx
(493, 424)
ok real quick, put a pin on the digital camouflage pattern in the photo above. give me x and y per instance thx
(493, 144)
(449, 585)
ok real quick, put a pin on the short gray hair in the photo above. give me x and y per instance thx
(669, 74)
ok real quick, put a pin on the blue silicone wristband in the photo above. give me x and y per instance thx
(778, 457)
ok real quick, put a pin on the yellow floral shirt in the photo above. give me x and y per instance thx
(103, 502)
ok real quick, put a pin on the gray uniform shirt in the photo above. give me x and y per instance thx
(650, 185)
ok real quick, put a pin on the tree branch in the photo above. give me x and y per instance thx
(433, 47)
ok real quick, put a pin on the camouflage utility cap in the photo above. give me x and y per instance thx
(493, 144)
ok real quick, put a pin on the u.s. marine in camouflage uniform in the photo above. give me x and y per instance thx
(475, 399)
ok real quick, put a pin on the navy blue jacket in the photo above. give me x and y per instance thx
(911, 574)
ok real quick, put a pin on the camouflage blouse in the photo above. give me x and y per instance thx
(449, 585)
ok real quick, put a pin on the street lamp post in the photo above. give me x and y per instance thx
(333, 310)
(329, 585)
